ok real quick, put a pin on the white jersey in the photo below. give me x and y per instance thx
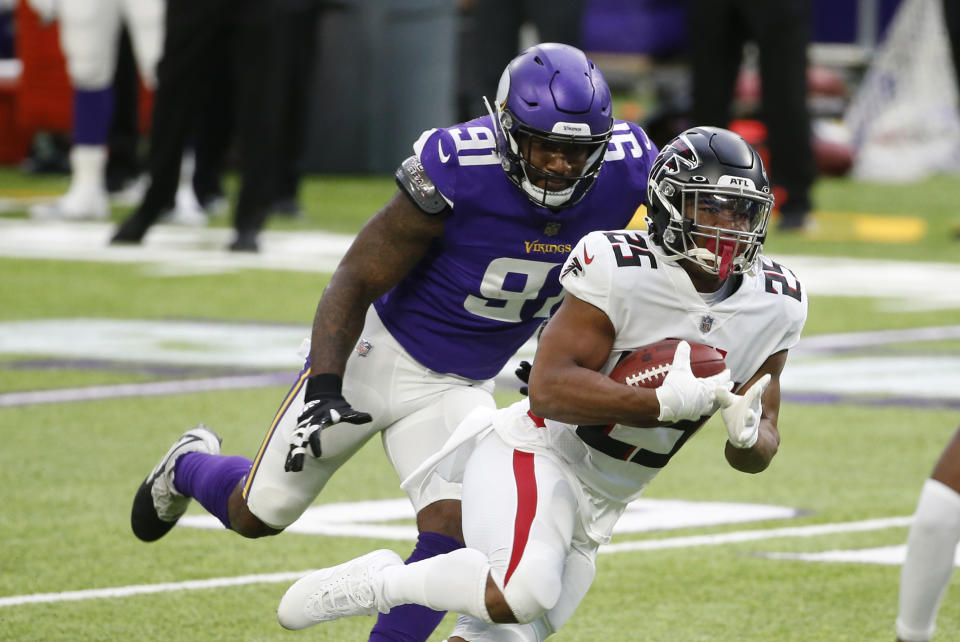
(540, 496)
(648, 297)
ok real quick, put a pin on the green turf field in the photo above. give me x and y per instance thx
(70, 569)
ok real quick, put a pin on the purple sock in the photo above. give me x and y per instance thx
(92, 111)
(412, 622)
(210, 479)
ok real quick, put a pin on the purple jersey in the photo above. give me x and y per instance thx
(488, 283)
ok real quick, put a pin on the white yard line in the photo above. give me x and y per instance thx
(147, 389)
(290, 576)
(756, 535)
(141, 589)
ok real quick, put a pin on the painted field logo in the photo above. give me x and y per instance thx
(394, 519)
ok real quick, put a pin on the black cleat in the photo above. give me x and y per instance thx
(157, 505)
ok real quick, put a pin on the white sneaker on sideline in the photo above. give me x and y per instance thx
(75, 205)
(352, 588)
(217, 207)
(132, 193)
(186, 210)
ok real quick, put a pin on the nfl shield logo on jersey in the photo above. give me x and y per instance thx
(552, 228)
(706, 322)
(364, 348)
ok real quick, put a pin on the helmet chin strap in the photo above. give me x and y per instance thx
(547, 197)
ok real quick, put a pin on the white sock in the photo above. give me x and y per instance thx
(88, 166)
(454, 582)
(931, 547)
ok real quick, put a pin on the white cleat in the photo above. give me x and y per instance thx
(186, 210)
(352, 588)
(132, 193)
(157, 505)
(75, 205)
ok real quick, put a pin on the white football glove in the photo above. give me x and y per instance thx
(741, 413)
(683, 396)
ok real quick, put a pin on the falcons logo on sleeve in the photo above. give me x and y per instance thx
(573, 265)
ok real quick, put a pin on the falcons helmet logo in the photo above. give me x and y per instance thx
(682, 155)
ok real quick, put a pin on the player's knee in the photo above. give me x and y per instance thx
(442, 517)
(249, 526)
(245, 523)
(533, 589)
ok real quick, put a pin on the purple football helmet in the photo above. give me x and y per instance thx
(553, 94)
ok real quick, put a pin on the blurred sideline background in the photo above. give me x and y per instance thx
(385, 70)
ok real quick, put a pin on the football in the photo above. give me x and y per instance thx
(648, 365)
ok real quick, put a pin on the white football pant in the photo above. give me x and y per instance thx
(415, 408)
(522, 511)
(90, 32)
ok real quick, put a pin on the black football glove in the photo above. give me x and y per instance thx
(324, 406)
(523, 374)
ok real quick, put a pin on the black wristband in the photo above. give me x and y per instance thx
(324, 386)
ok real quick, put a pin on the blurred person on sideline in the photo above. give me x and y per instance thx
(437, 292)
(546, 479)
(298, 26)
(490, 38)
(197, 33)
(124, 165)
(89, 37)
(6, 29)
(931, 548)
(781, 30)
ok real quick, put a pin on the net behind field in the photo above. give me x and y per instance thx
(904, 119)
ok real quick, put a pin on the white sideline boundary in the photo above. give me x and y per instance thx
(290, 576)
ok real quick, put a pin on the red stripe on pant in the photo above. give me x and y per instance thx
(523, 474)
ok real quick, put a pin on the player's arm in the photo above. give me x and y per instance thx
(565, 384)
(762, 390)
(390, 244)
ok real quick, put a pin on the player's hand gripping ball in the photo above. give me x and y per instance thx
(686, 379)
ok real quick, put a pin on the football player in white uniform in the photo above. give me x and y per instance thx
(545, 480)
(931, 547)
(89, 37)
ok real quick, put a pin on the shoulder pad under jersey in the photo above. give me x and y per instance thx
(417, 184)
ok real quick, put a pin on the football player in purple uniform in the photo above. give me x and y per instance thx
(438, 290)
(545, 480)
(931, 548)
